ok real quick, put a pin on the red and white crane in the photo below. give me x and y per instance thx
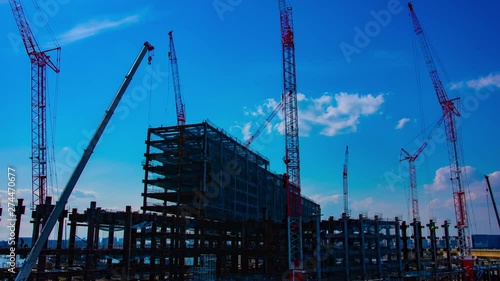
(450, 112)
(179, 105)
(39, 61)
(291, 159)
(346, 186)
(413, 171)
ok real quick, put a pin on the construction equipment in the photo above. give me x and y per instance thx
(39, 61)
(488, 187)
(278, 107)
(179, 105)
(292, 159)
(346, 187)
(450, 111)
(59, 207)
(413, 172)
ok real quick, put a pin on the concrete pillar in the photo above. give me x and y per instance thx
(398, 247)
(60, 230)
(432, 229)
(362, 245)
(404, 238)
(89, 258)
(345, 221)
(446, 236)
(72, 236)
(20, 209)
(417, 241)
(377, 246)
(126, 242)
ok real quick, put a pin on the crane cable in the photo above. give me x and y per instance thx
(416, 59)
(45, 22)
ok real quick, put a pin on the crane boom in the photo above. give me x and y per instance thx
(179, 105)
(59, 207)
(39, 61)
(278, 107)
(346, 186)
(413, 171)
(292, 158)
(487, 179)
(449, 113)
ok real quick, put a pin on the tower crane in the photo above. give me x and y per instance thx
(450, 112)
(39, 61)
(405, 155)
(291, 159)
(278, 107)
(179, 105)
(346, 186)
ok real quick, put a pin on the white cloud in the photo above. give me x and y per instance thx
(330, 114)
(487, 81)
(324, 200)
(339, 113)
(442, 178)
(80, 193)
(401, 123)
(363, 205)
(94, 27)
(494, 178)
(246, 131)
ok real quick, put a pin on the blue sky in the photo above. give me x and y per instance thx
(230, 68)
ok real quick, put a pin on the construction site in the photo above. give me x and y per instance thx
(212, 208)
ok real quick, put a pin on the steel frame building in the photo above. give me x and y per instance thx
(200, 171)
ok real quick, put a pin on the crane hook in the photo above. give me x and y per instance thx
(150, 58)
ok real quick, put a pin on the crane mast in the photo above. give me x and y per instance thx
(179, 105)
(291, 159)
(405, 155)
(450, 112)
(346, 186)
(39, 61)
